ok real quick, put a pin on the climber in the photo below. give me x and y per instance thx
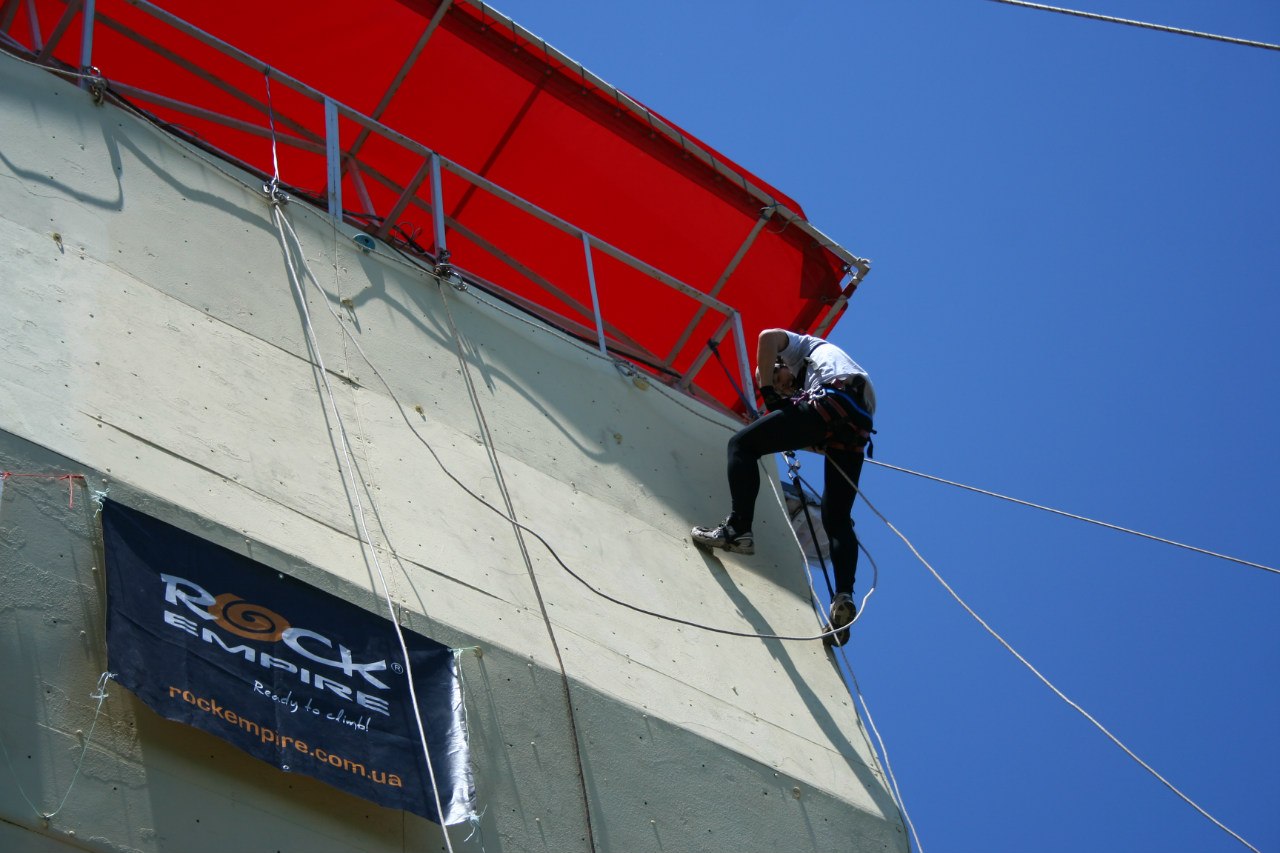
(818, 398)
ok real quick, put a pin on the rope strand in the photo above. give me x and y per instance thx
(1160, 27)
(492, 452)
(1071, 515)
(895, 793)
(884, 750)
(1038, 674)
(555, 556)
(362, 530)
(100, 693)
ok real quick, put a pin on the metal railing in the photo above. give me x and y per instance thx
(341, 162)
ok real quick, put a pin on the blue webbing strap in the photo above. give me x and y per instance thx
(715, 350)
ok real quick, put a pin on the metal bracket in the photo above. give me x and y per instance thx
(273, 192)
(94, 83)
(444, 270)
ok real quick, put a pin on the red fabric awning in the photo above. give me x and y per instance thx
(497, 101)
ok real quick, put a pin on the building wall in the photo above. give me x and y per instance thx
(154, 344)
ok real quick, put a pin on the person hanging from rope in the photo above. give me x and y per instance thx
(817, 398)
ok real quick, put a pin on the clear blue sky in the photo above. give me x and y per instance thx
(1075, 230)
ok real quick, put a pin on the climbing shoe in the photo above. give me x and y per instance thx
(842, 613)
(724, 536)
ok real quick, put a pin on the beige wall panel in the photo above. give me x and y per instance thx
(155, 345)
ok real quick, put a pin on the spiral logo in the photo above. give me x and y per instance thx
(251, 621)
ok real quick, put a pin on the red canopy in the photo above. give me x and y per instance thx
(498, 102)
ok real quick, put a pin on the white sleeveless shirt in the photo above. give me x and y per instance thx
(826, 363)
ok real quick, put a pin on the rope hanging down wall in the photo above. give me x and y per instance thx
(349, 472)
(99, 693)
(851, 679)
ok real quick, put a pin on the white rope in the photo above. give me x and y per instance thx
(778, 496)
(828, 633)
(1065, 514)
(271, 117)
(492, 451)
(1038, 675)
(349, 471)
(884, 750)
(895, 793)
(100, 693)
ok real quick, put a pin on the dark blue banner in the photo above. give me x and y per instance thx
(295, 676)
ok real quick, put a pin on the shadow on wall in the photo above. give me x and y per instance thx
(51, 647)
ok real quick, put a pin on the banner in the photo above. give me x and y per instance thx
(288, 673)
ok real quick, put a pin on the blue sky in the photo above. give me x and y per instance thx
(1075, 235)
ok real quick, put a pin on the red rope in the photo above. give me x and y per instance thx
(70, 478)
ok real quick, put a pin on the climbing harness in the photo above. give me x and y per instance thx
(838, 403)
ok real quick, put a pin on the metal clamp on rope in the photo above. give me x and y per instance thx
(628, 370)
(273, 192)
(444, 270)
(94, 83)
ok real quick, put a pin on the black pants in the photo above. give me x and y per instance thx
(791, 429)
